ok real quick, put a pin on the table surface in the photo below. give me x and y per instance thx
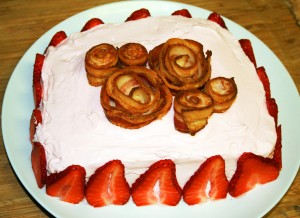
(275, 22)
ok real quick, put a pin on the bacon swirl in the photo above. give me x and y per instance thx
(223, 91)
(100, 62)
(181, 64)
(192, 110)
(134, 96)
(133, 54)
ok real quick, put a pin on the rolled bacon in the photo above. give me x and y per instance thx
(133, 54)
(100, 62)
(192, 110)
(223, 91)
(181, 64)
(135, 96)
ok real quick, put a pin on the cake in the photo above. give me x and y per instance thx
(71, 133)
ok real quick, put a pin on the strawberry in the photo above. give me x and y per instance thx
(38, 163)
(182, 12)
(252, 170)
(273, 109)
(68, 184)
(261, 72)
(277, 150)
(58, 38)
(108, 185)
(143, 189)
(37, 73)
(248, 50)
(213, 171)
(138, 14)
(215, 17)
(36, 119)
(92, 23)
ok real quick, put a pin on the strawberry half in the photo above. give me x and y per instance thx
(252, 170)
(273, 109)
(108, 185)
(68, 184)
(163, 174)
(182, 12)
(37, 85)
(36, 119)
(213, 171)
(139, 14)
(91, 23)
(261, 72)
(58, 38)
(277, 150)
(38, 163)
(248, 50)
(215, 17)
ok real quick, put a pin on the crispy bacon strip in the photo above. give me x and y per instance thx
(223, 91)
(181, 64)
(100, 62)
(133, 54)
(192, 110)
(135, 96)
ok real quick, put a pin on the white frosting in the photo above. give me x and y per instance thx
(76, 131)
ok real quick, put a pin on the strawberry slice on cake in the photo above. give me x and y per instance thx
(108, 185)
(213, 171)
(157, 185)
(215, 17)
(91, 23)
(38, 163)
(252, 170)
(68, 184)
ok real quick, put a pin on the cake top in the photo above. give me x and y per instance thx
(76, 131)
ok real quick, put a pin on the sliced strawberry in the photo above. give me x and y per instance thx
(163, 174)
(261, 72)
(38, 163)
(92, 23)
(108, 185)
(68, 184)
(36, 119)
(139, 14)
(248, 50)
(58, 38)
(182, 12)
(277, 150)
(215, 17)
(273, 109)
(37, 86)
(252, 170)
(213, 171)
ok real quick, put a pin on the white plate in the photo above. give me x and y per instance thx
(18, 105)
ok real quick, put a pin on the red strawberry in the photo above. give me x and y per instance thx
(58, 38)
(215, 17)
(273, 109)
(38, 163)
(162, 173)
(92, 23)
(36, 118)
(213, 171)
(182, 12)
(277, 150)
(261, 72)
(68, 184)
(248, 50)
(252, 170)
(139, 14)
(108, 185)
(37, 86)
